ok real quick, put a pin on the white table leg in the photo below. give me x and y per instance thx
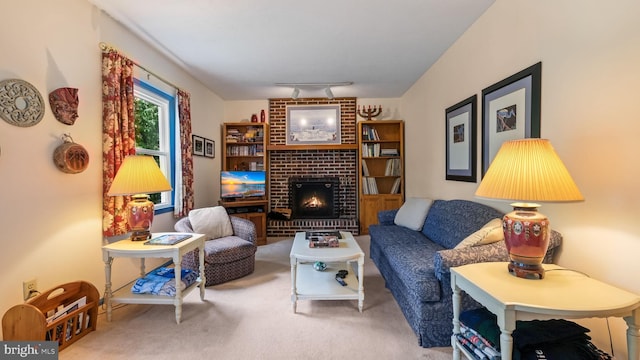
(633, 335)
(108, 294)
(456, 318)
(507, 324)
(178, 299)
(294, 294)
(143, 270)
(202, 275)
(360, 283)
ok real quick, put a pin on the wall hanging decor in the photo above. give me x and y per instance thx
(198, 145)
(461, 140)
(510, 111)
(64, 104)
(313, 125)
(20, 103)
(70, 157)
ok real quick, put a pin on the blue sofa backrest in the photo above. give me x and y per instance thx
(450, 221)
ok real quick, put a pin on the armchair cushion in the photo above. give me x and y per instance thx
(214, 222)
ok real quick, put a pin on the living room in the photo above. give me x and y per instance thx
(589, 52)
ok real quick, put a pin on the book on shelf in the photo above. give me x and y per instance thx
(393, 167)
(395, 188)
(365, 168)
(369, 133)
(372, 185)
(389, 152)
(168, 239)
(370, 150)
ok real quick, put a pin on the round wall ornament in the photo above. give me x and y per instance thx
(70, 157)
(20, 103)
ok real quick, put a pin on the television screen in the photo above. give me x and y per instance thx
(242, 184)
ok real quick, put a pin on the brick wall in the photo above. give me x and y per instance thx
(284, 164)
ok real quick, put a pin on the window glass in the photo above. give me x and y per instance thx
(155, 134)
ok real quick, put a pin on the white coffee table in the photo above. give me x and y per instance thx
(310, 284)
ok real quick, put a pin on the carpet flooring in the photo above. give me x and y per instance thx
(252, 318)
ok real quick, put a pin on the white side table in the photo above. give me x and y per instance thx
(137, 249)
(309, 284)
(562, 294)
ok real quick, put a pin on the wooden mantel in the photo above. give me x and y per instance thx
(312, 147)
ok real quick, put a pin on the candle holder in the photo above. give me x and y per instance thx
(370, 112)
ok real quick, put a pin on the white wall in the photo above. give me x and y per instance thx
(52, 221)
(590, 51)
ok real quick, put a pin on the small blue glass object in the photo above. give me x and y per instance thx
(320, 266)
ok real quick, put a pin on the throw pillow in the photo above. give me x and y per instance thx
(491, 232)
(412, 213)
(214, 222)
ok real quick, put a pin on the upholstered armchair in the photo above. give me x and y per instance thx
(225, 258)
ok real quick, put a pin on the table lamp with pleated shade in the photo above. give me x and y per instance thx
(138, 176)
(527, 171)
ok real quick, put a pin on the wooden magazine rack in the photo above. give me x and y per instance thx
(28, 322)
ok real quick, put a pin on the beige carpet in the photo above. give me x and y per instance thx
(252, 318)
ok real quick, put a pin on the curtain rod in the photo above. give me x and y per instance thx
(107, 47)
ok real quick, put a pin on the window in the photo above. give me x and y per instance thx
(155, 135)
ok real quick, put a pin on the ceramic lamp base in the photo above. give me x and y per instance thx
(526, 235)
(140, 210)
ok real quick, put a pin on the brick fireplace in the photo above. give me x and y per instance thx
(338, 162)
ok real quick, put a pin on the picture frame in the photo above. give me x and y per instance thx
(209, 148)
(313, 125)
(461, 135)
(510, 110)
(197, 146)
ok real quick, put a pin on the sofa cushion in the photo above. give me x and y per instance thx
(491, 232)
(450, 221)
(412, 213)
(227, 249)
(214, 222)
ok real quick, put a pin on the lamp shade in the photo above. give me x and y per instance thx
(528, 170)
(138, 174)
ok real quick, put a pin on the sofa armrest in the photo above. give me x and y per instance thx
(495, 252)
(244, 229)
(386, 217)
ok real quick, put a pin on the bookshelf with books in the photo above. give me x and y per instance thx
(381, 163)
(244, 148)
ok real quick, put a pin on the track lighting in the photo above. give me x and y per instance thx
(329, 93)
(314, 86)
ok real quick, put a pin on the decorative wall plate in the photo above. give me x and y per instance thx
(70, 157)
(20, 103)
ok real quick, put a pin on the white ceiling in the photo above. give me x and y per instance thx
(241, 48)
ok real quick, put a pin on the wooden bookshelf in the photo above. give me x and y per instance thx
(381, 163)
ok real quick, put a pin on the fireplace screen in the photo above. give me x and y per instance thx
(314, 198)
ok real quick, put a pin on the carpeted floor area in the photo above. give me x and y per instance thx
(252, 318)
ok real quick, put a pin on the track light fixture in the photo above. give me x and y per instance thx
(326, 86)
(329, 93)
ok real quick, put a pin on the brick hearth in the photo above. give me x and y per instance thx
(287, 163)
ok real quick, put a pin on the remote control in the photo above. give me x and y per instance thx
(341, 281)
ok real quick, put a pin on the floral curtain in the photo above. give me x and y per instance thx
(184, 180)
(118, 135)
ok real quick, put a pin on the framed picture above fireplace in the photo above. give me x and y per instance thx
(313, 125)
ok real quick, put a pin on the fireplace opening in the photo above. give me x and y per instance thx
(314, 198)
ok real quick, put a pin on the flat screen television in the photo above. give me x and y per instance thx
(242, 184)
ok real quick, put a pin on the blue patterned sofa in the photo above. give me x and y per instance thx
(415, 264)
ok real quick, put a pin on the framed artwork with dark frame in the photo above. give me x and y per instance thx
(313, 125)
(209, 148)
(462, 133)
(510, 111)
(197, 146)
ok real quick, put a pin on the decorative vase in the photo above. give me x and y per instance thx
(254, 118)
(140, 216)
(526, 236)
(263, 117)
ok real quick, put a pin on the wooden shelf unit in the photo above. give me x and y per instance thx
(28, 321)
(244, 148)
(381, 178)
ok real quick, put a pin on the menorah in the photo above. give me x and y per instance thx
(370, 112)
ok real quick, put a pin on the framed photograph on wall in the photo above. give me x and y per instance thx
(510, 110)
(197, 145)
(313, 125)
(461, 132)
(209, 148)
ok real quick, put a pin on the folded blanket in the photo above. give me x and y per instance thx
(162, 281)
(479, 342)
